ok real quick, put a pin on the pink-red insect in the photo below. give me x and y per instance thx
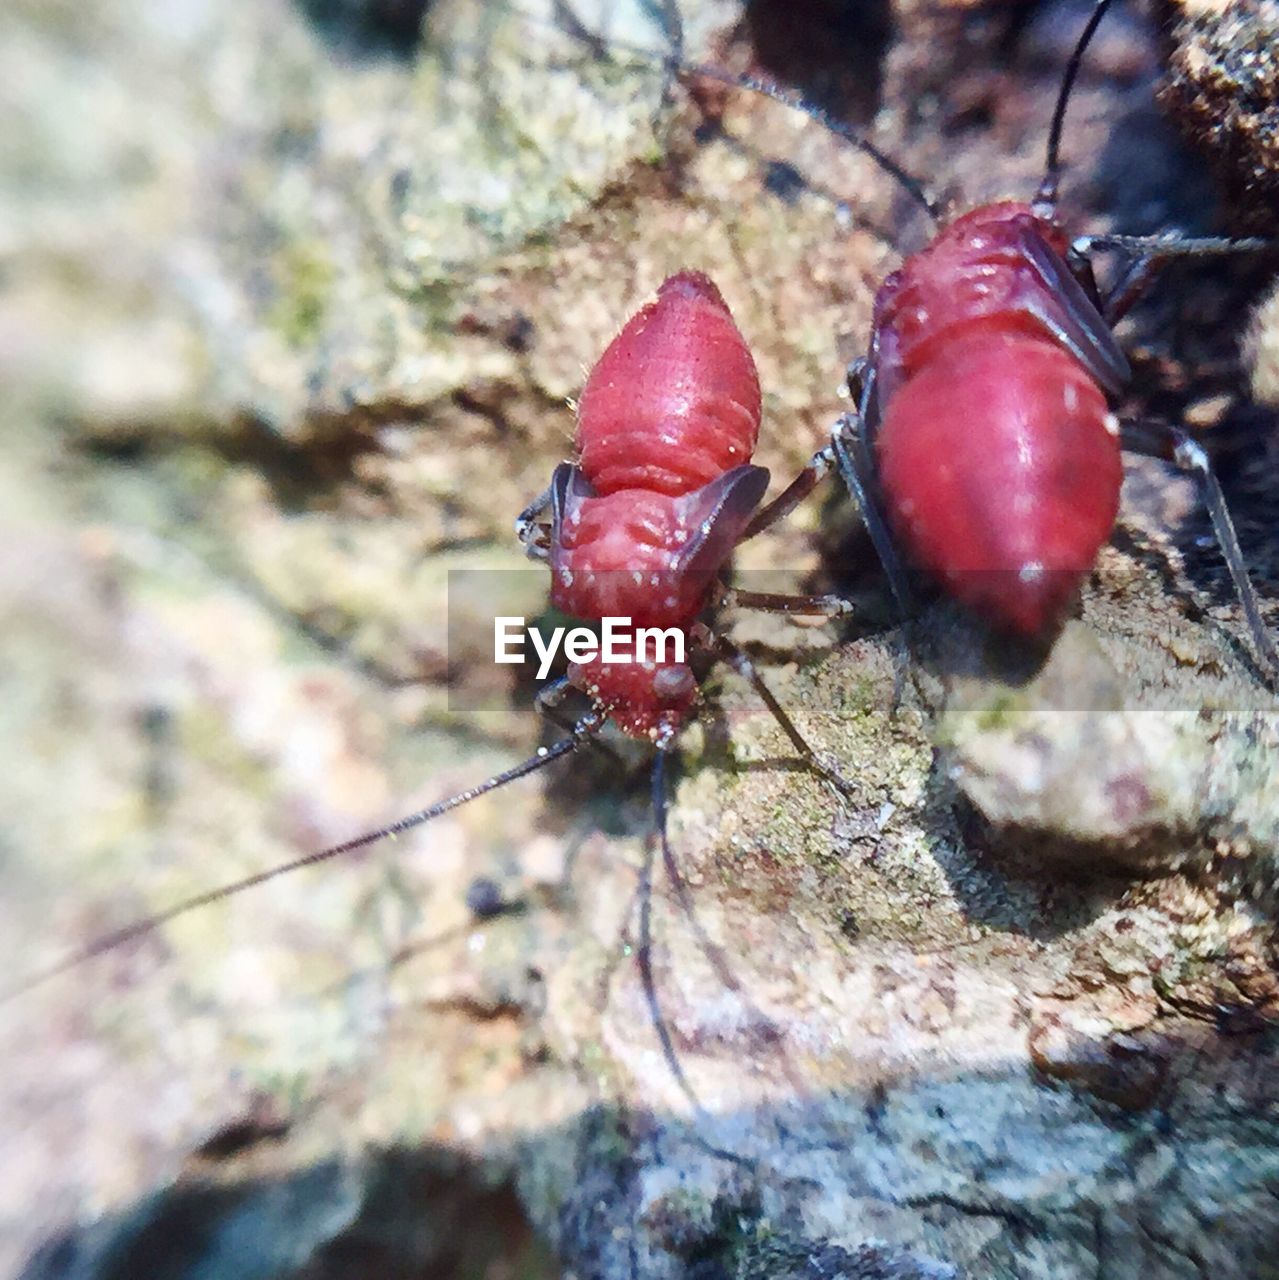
(985, 400)
(983, 444)
(644, 522)
(998, 456)
(984, 424)
(640, 527)
(662, 491)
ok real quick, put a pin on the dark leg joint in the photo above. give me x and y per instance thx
(529, 529)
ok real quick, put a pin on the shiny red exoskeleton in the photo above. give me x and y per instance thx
(983, 417)
(643, 523)
(997, 453)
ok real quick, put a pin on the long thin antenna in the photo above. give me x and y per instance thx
(1045, 203)
(908, 182)
(644, 958)
(913, 187)
(644, 952)
(585, 728)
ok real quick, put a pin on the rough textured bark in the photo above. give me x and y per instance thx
(1223, 85)
(293, 299)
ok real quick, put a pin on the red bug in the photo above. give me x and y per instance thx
(640, 527)
(645, 521)
(983, 419)
(983, 441)
(984, 395)
(990, 381)
(654, 506)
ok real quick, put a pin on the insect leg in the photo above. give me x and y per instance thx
(819, 467)
(547, 699)
(1128, 289)
(852, 453)
(546, 702)
(529, 528)
(1081, 268)
(1162, 440)
(828, 606)
(1174, 245)
(741, 663)
(1147, 255)
(856, 378)
(857, 466)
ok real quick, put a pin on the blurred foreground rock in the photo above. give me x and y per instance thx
(293, 298)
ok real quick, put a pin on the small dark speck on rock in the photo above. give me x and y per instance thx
(484, 898)
(783, 180)
(519, 333)
(401, 182)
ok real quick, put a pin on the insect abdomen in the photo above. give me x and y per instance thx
(674, 401)
(1002, 474)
